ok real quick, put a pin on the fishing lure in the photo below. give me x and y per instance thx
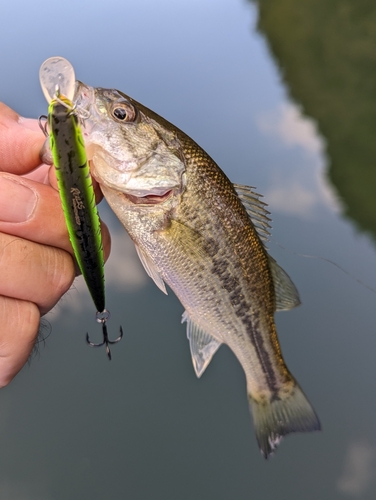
(77, 192)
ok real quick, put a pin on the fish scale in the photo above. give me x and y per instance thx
(246, 240)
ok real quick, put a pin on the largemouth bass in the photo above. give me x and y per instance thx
(202, 236)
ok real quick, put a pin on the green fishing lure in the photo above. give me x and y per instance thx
(78, 201)
(77, 195)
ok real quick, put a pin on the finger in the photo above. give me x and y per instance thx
(40, 174)
(19, 146)
(29, 123)
(33, 272)
(18, 332)
(32, 211)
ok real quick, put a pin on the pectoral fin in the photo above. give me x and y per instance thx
(286, 294)
(203, 346)
(149, 267)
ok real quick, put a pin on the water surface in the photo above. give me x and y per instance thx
(265, 90)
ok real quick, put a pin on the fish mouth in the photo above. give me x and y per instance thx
(149, 199)
(147, 196)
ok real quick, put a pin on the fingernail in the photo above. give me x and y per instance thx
(29, 123)
(17, 201)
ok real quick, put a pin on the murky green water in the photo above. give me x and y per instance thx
(283, 99)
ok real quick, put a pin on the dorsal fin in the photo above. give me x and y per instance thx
(203, 346)
(286, 294)
(255, 209)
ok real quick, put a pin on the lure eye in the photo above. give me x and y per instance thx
(123, 112)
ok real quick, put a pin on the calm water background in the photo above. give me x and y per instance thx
(276, 93)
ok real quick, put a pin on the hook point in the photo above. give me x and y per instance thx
(102, 318)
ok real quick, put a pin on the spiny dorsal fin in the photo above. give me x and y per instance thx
(255, 209)
(149, 267)
(286, 294)
(203, 346)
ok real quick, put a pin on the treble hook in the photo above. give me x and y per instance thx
(42, 126)
(102, 317)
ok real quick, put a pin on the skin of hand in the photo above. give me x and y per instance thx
(36, 257)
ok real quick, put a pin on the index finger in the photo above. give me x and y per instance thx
(19, 145)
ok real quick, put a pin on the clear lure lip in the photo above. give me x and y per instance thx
(57, 73)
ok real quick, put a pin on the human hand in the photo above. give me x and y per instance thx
(36, 264)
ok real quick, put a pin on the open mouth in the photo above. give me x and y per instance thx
(150, 199)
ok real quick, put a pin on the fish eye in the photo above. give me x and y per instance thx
(123, 112)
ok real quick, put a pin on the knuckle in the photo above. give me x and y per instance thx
(13, 249)
(60, 272)
(22, 319)
(34, 272)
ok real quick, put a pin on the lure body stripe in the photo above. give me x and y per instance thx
(77, 195)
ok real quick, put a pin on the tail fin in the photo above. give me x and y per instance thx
(276, 418)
